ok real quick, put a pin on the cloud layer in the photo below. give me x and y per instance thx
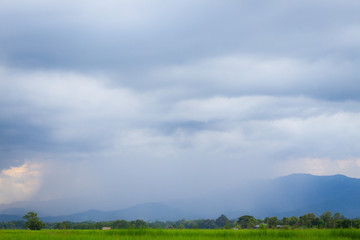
(189, 97)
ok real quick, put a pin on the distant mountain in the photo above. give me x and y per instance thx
(302, 193)
(298, 194)
(146, 212)
(54, 207)
(12, 214)
(14, 211)
(8, 218)
(292, 195)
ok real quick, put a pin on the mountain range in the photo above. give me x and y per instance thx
(292, 195)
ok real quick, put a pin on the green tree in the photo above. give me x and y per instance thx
(138, 224)
(208, 224)
(227, 225)
(246, 221)
(293, 221)
(221, 221)
(272, 222)
(346, 223)
(33, 221)
(337, 216)
(321, 223)
(181, 226)
(262, 226)
(62, 225)
(326, 217)
(308, 220)
(118, 224)
(252, 223)
(82, 225)
(194, 226)
(285, 221)
(337, 219)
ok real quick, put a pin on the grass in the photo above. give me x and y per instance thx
(158, 234)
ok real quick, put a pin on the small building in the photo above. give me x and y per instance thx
(260, 226)
(106, 228)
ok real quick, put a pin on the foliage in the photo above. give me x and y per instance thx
(12, 225)
(247, 222)
(62, 225)
(262, 226)
(33, 221)
(326, 217)
(221, 221)
(272, 222)
(309, 220)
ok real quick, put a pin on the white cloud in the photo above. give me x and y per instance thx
(20, 183)
(74, 106)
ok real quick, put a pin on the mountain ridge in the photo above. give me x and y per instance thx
(292, 195)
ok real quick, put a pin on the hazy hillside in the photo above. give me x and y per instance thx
(147, 212)
(298, 194)
(306, 193)
(8, 218)
(295, 194)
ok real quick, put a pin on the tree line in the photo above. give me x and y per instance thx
(309, 220)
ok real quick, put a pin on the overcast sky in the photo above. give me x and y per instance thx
(134, 100)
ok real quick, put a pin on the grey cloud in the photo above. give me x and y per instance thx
(238, 75)
(66, 35)
(115, 93)
(97, 117)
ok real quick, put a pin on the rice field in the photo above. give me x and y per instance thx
(157, 234)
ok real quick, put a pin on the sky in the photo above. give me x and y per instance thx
(133, 101)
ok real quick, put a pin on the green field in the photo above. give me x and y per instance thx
(153, 234)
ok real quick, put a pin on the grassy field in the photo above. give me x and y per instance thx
(151, 234)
